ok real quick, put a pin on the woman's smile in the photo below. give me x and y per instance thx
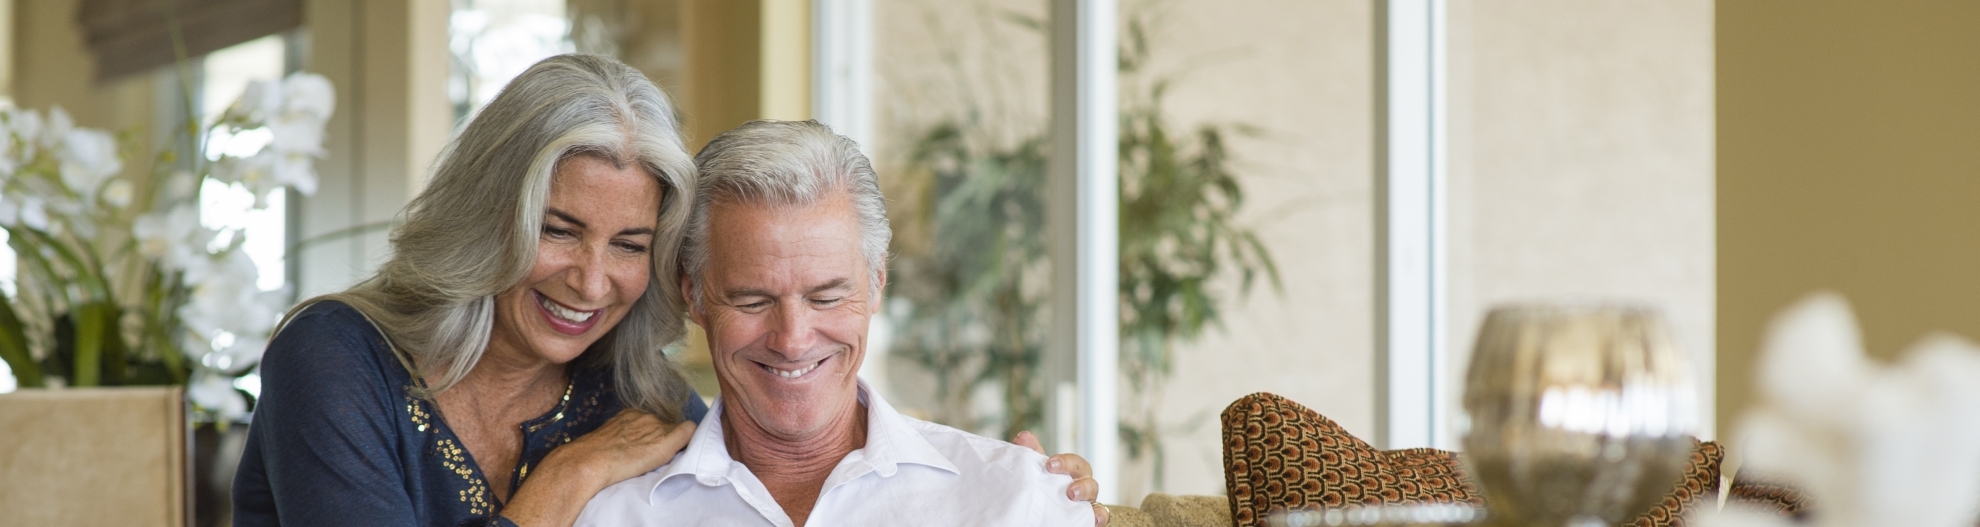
(564, 319)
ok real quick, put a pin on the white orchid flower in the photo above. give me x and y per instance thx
(181, 185)
(223, 298)
(294, 135)
(215, 392)
(260, 174)
(24, 124)
(9, 163)
(1873, 443)
(261, 101)
(248, 171)
(56, 129)
(10, 212)
(240, 355)
(33, 213)
(309, 97)
(119, 193)
(171, 237)
(12, 156)
(295, 171)
(89, 158)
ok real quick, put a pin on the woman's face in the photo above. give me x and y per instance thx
(592, 262)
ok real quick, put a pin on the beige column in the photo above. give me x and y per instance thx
(388, 60)
(7, 32)
(745, 60)
(1846, 135)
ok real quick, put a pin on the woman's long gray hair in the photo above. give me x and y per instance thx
(473, 232)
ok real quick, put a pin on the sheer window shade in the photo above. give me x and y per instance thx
(135, 36)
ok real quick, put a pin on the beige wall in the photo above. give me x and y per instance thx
(1582, 168)
(1847, 161)
(1303, 71)
(1300, 71)
(388, 61)
(51, 66)
(1581, 147)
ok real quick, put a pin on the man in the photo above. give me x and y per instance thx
(784, 264)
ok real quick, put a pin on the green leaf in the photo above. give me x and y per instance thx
(14, 348)
(116, 353)
(92, 320)
(1033, 23)
(90, 278)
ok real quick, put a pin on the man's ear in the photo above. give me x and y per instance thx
(693, 304)
(881, 288)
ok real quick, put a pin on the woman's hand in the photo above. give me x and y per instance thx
(627, 445)
(1083, 487)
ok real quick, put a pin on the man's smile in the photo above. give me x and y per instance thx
(793, 373)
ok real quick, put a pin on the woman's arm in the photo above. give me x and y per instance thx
(1083, 487)
(631, 443)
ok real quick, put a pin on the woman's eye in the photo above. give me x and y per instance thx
(557, 232)
(631, 247)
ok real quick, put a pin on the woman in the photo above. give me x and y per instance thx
(503, 366)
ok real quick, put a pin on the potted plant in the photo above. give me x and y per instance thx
(973, 303)
(120, 283)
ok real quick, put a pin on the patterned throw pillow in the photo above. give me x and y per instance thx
(1699, 484)
(1281, 456)
(1761, 493)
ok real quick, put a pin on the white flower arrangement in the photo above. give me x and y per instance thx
(1870, 442)
(120, 282)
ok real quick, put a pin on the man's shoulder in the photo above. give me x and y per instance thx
(972, 453)
(1000, 483)
(623, 503)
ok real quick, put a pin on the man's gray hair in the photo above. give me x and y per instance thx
(472, 233)
(785, 163)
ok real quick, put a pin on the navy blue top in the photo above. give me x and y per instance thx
(338, 440)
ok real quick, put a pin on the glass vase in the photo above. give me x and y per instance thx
(1576, 415)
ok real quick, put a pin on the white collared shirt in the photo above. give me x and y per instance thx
(910, 472)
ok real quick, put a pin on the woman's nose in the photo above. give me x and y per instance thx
(588, 275)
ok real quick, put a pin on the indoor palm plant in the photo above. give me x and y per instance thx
(974, 303)
(120, 282)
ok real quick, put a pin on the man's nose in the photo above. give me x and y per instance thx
(794, 331)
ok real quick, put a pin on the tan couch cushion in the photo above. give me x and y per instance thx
(1169, 510)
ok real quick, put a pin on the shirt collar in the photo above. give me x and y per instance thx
(891, 440)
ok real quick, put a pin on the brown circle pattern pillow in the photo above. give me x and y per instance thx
(1281, 456)
(1767, 494)
(1700, 482)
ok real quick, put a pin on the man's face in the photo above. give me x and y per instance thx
(785, 301)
